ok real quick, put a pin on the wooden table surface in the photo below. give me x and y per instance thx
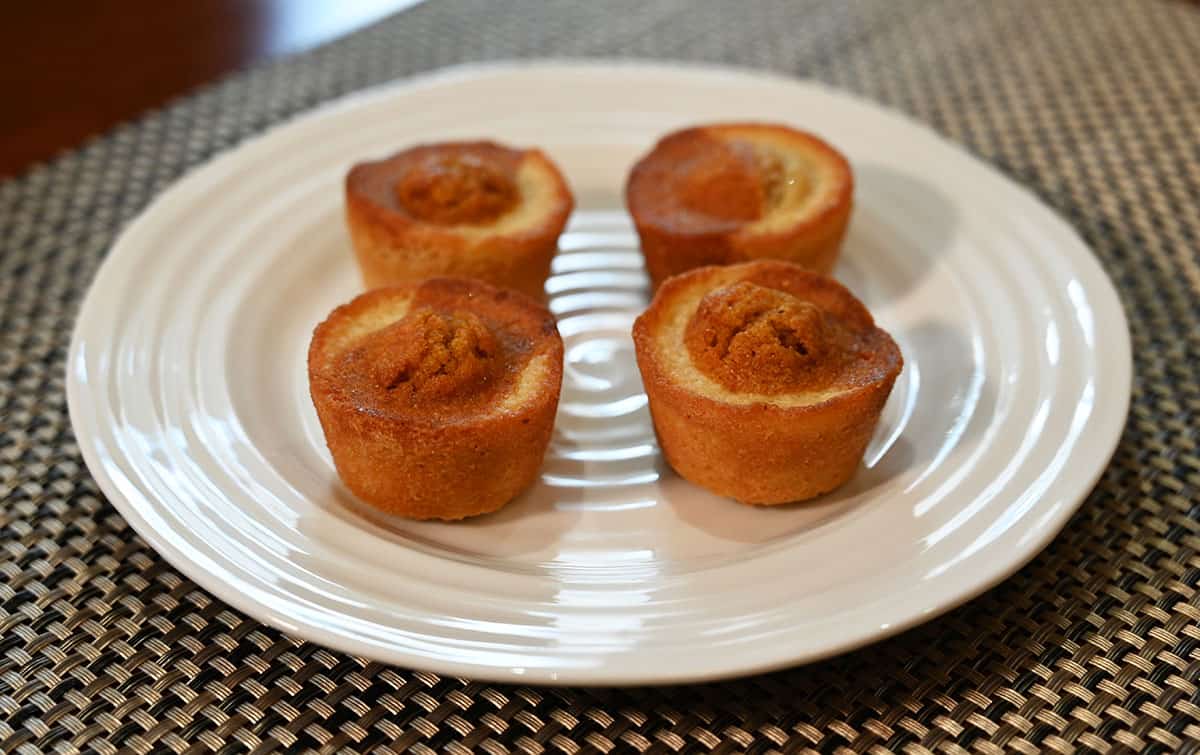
(75, 68)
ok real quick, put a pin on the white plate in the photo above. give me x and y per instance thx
(189, 398)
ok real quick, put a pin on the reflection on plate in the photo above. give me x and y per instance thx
(189, 397)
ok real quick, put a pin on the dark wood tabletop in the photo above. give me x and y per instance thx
(75, 68)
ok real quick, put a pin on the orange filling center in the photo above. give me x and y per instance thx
(733, 181)
(723, 182)
(430, 353)
(754, 339)
(456, 189)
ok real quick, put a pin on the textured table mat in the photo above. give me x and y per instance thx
(1094, 104)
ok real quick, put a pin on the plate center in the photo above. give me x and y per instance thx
(606, 496)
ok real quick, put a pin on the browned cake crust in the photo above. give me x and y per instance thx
(437, 399)
(765, 380)
(467, 209)
(727, 193)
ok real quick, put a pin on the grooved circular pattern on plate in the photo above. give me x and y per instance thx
(189, 396)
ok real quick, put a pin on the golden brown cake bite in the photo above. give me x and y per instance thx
(466, 209)
(765, 380)
(437, 398)
(728, 193)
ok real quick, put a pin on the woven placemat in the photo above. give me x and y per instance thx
(1095, 104)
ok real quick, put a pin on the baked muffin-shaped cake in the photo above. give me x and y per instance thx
(467, 209)
(728, 193)
(437, 398)
(765, 380)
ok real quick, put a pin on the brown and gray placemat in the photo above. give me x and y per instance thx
(1094, 104)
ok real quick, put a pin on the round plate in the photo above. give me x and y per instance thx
(189, 396)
